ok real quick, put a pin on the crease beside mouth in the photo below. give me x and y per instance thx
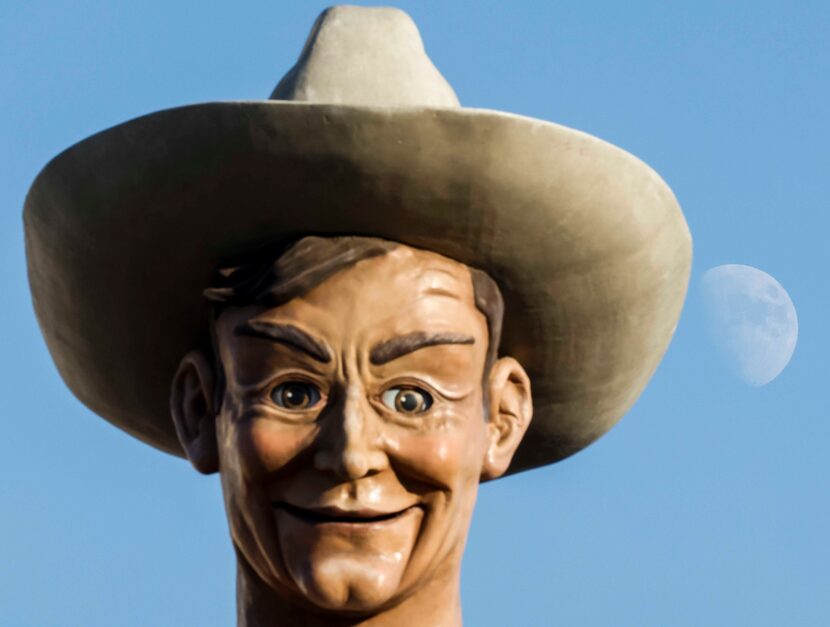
(318, 517)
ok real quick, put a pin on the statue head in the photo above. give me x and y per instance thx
(354, 386)
(352, 405)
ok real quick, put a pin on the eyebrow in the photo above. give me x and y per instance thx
(285, 334)
(386, 351)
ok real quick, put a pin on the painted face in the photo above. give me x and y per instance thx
(352, 432)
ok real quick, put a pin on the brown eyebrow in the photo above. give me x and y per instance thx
(285, 334)
(386, 351)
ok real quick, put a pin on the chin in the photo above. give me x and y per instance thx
(346, 585)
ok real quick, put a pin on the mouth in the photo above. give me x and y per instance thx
(337, 516)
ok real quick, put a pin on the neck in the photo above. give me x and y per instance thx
(435, 604)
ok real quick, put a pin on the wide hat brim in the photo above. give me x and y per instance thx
(126, 229)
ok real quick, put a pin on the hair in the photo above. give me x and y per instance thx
(280, 272)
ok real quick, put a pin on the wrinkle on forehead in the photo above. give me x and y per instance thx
(435, 274)
(440, 282)
(423, 274)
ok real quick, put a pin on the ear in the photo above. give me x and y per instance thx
(191, 405)
(511, 409)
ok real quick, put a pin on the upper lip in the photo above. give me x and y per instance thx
(339, 514)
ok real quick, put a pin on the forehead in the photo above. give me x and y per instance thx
(403, 290)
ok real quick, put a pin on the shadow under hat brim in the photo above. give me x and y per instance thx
(126, 229)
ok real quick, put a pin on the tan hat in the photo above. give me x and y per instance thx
(363, 136)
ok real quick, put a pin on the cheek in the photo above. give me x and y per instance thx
(261, 446)
(447, 459)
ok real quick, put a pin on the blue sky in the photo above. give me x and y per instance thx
(707, 505)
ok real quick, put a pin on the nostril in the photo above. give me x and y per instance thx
(346, 463)
(350, 464)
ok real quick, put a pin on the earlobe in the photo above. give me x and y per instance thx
(191, 406)
(511, 409)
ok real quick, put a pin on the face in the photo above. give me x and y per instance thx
(352, 433)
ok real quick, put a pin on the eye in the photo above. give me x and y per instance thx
(407, 400)
(296, 395)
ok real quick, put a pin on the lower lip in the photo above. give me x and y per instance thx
(352, 525)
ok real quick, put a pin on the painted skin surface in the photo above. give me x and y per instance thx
(351, 439)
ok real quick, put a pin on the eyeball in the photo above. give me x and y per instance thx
(407, 401)
(296, 395)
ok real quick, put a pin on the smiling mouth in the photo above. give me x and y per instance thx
(317, 517)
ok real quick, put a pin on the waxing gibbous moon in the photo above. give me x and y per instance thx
(751, 320)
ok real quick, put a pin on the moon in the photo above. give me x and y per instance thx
(751, 320)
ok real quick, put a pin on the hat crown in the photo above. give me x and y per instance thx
(365, 56)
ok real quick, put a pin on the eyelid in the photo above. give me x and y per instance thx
(435, 388)
(299, 376)
(263, 385)
(412, 384)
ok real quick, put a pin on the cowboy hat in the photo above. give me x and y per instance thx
(125, 229)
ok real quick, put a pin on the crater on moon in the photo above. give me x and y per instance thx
(751, 320)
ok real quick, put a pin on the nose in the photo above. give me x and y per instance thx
(350, 441)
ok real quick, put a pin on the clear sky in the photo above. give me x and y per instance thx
(707, 505)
